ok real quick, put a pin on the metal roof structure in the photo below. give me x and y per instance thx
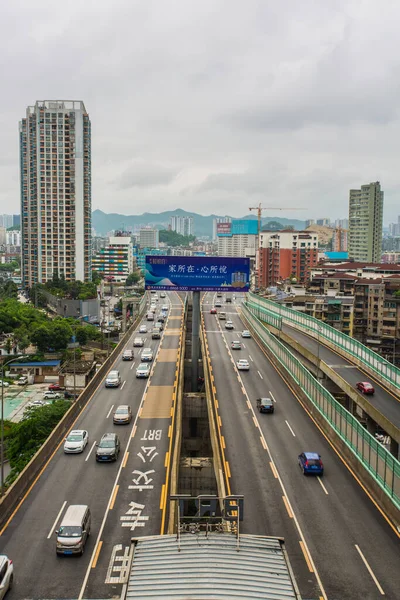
(42, 363)
(212, 566)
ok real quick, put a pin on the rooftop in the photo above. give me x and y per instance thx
(41, 363)
(216, 565)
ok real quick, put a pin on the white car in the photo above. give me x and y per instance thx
(76, 441)
(246, 334)
(6, 575)
(37, 403)
(143, 329)
(138, 342)
(164, 308)
(51, 395)
(143, 370)
(243, 365)
(162, 295)
(229, 325)
(147, 355)
(4, 383)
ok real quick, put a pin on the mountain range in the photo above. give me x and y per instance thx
(103, 223)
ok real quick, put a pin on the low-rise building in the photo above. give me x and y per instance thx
(336, 311)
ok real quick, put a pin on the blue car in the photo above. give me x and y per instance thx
(310, 462)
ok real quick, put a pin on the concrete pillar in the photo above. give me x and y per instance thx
(124, 306)
(371, 425)
(195, 339)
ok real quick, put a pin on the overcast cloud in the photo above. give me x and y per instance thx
(213, 106)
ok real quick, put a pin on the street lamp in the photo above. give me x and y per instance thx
(3, 364)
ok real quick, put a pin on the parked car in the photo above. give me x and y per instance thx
(265, 405)
(23, 380)
(70, 395)
(236, 345)
(76, 441)
(143, 370)
(229, 325)
(365, 387)
(138, 342)
(122, 415)
(246, 334)
(147, 355)
(143, 329)
(51, 395)
(4, 383)
(6, 575)
(128, 355)
(310, 462)
(37, 403)
(213, 311)
(243, 365)
(54, 387)
(108, 448)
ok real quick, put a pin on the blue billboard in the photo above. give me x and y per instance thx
(197, 273)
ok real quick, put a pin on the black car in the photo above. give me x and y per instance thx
(108, 448)
(71, 395)
(265, 405)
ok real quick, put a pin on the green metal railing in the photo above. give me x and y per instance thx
(316, 328)
(374, 457)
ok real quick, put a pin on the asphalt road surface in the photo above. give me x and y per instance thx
(126, 498)
(339, 544)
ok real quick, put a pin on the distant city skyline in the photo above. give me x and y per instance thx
(183, 116)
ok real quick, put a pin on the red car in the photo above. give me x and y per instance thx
(55, 387)
(213, 311)
(365, 387)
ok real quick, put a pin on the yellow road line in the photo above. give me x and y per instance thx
(223, 441)
(289, 510)
(307, 558)
(169, 431)
(134, 431)
(263, 442)
(166, 459)
(125, 460)
(162, 497)
(219, 421)
(216, 403)
(255, 421)
(273, 469)
(96, 556)
(228, 471)
(114, 496)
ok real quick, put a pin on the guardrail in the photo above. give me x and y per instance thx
(344, 431)
(15, 494)
(342, 343)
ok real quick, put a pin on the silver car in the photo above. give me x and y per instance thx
(143, 370)
(76, 441)
(147, 355)
(6, 575)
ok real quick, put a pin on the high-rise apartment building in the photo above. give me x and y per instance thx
(55, 165)
(6, 221)
(148, 237)
(182, 225)
(116, 259)
(284, 254)
(218, 220)
(237, 238)
(365, 223)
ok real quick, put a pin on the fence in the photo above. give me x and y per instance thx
(383, 467)
(343, 343)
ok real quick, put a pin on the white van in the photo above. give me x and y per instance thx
(74, 530)
(150, 316)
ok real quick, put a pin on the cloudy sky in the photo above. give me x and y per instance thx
(213, 106)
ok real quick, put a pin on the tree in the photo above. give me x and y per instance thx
(132, 278)
(96, 277)
(81, 335)
(172, 238)
(61, 334)
(41, 337)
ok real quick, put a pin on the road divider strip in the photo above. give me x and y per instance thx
(96, 556)
(115, 492)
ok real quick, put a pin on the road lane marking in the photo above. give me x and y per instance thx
(248, 403)
(260, 375)
(370, 571)
(96, 556)
(114, 496)
(123, 383)
(223, 442)
(134, 430)
(56, 521)
(306, 556)
(322, 485)
(90, 451)
(255, 421)
(162, 499)
(228, 471)
(219, 421)
(166, 459)
(125, 460)
(251, 358)
(263, 442)
(288, 508)
(291, 430)
(110, 411)
(169, 431)
(244, 346)
(270, 393)
(133, 364)
(273, 468)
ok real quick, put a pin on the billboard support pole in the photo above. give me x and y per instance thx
(195, 340)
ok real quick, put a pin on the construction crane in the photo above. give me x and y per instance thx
(260, 208)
